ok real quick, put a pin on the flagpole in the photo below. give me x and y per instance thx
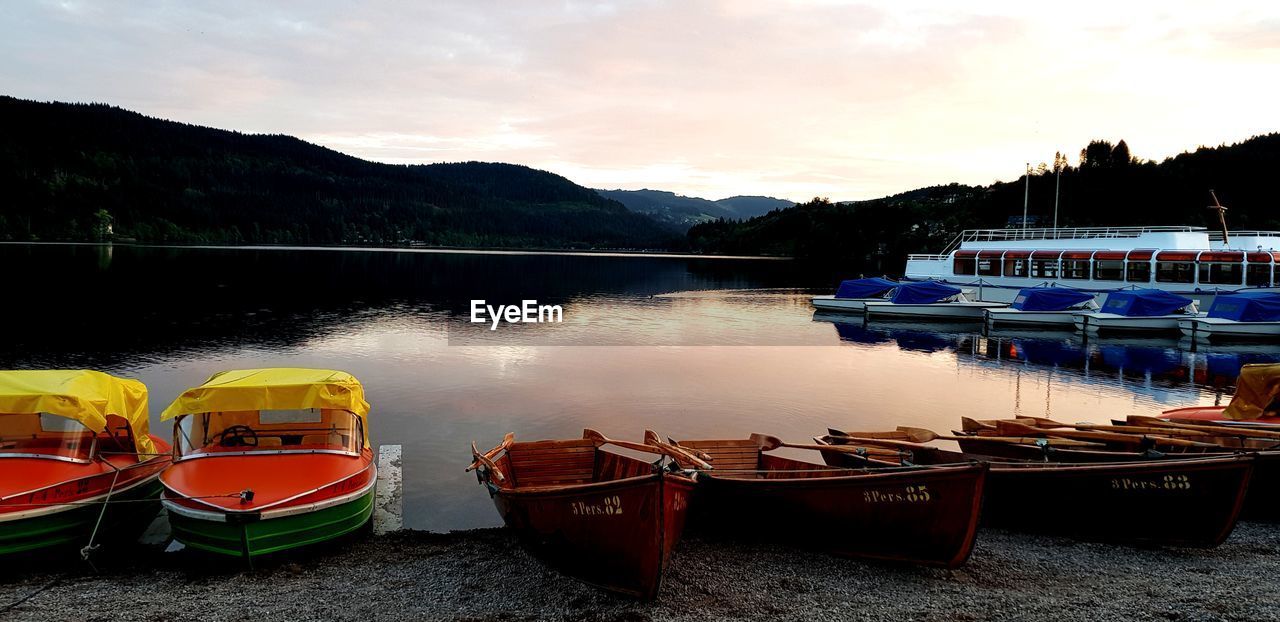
(1026, 196)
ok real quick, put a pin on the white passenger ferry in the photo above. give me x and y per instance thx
(1190, 261)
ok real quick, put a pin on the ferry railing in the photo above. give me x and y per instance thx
(1065, 233)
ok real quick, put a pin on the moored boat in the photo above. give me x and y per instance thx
(1043, 307)
(1197, 500)
(929, 300)
(922, 515)
(78, 459)
(607, 519)
(852, 295)
(269, 460)
(1138, 311)
(1241, 316)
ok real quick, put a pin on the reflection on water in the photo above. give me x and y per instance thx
(697, 347)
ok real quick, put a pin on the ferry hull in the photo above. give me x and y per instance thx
(954, 311)
(1207, 329)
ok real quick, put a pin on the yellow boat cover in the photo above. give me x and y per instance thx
(273, 388)
(1256, 392)
(83, 395)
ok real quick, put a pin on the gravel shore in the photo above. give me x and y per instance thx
(485, 575)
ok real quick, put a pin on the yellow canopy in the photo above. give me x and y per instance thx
(80, 394)
(1256, 391)
(273, 388)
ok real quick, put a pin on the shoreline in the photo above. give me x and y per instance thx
(442, 250)
(483, 574)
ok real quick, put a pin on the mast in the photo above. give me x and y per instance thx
(1222, 219)
(1057, 185)
(1026, 195)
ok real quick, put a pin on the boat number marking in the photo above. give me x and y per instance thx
(609, 506)
(909, 494)
(1167, 482)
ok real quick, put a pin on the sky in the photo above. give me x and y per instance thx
(848, 100)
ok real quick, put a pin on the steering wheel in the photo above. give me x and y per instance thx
(238, 436)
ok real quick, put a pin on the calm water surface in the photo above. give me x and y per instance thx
(690, 347)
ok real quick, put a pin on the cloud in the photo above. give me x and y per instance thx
(848, 100)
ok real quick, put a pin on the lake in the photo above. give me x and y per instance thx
(689, 347)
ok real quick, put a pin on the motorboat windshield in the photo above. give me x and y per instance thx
(45, 435)
(304, 430)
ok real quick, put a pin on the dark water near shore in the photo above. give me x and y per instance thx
(686, 346)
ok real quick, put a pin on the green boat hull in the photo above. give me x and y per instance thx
(249, 537)
(72, 528)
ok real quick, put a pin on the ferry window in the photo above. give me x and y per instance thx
(1108, 270)
(1015, 267)
(1175, 272)
(1044, 268)
(988, 267)
(1075, 268)
(965, 265)
(1214, 273)
(1138, 272)
(1258, 275)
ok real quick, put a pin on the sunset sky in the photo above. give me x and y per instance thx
(790, 99)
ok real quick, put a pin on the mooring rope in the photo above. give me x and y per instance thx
(28, 597)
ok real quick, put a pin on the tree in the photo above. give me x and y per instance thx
(102, 224)
(1120, 154)
(1097, 154)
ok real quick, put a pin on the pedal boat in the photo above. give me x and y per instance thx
(77, 456)
(1241, 316)
(1043, 307)
(269, 460)
(1138, 311)
(930, 300)
(852, 295)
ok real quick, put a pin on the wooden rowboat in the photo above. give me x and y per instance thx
(77, 460)
(921, 515)
(604, 518)
(1192, 501)
(269, 460)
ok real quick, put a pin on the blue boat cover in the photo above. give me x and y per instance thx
(864, 288)
(1049, 298)
(923, 292)
(1143, 302)
(1247, 307)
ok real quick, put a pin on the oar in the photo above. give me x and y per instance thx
(486, 461)
(1123, 429)
(593, 435)
(895, 435)
(1009, 427)
(1211, 430)
(930, 435)
(506, 443)
(652, 438)
(770, 443)
(883, 442)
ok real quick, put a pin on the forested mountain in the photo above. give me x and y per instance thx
(1108, 187)
(79, 171)
(684, 212)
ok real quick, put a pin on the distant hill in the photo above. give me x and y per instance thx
(684, 212)
(1108, 188)
(79, 171)
(752, 206)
